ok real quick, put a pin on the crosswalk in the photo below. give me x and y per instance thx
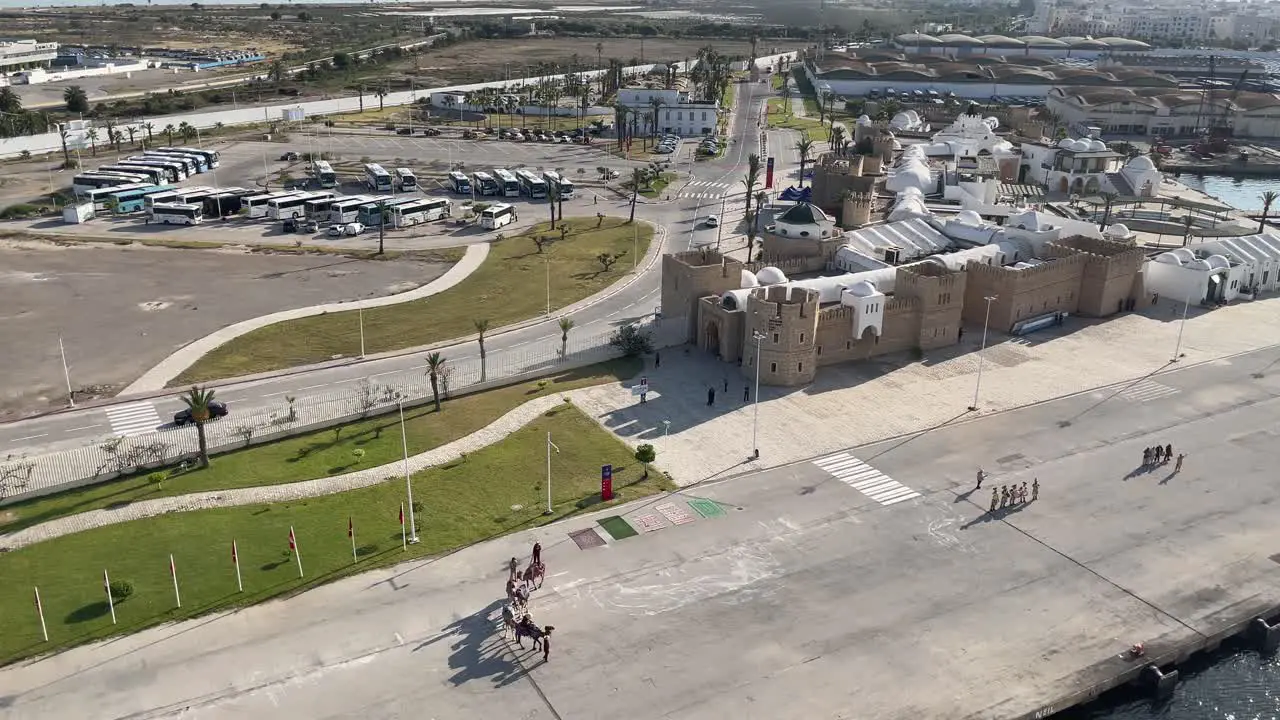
(865, 479)
(1145, 390)
(133, 418)
(705, 189)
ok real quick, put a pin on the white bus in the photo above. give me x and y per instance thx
(508, 182)
(100, 197)
(420, 211)
(532, 185)
(202, 162)
(177, 169)
(485, 184)
(155, 175)
(559, 181)
(460, 183)
(347, 209)
(497, 215)
(318, 208)
(293, 206)
(406, 181)
(323, 172)
(85, 182)
(257, 204)
(210, 156)
(194, 163)
(369, 215)
(177, 214)
(377, 178)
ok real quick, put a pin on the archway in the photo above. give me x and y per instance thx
(1092, 186)
(711, 337)
(1062, 184)
(1077, 185)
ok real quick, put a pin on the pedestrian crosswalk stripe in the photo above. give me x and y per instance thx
(133, 418)
(1146, 390)
(865, 479)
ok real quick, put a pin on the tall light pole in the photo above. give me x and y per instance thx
(360, 314)
(981, 352)
(404, 440)
(548, 260)
(1177, 350)
(71, 397)
(755, 420)
(550, 446)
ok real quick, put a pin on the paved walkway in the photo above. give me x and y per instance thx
(488, 435)
(159, 376)
(861, 402)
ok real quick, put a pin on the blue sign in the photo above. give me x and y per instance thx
(606, 472)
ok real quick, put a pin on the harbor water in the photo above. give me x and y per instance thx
(1242, 193)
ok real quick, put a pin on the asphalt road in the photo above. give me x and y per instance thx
(808, 596)
(681, 218)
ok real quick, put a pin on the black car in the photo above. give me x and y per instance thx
(217, 409)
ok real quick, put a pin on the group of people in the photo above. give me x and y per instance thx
(1010, 495)
(520, 584)
(1157, 455)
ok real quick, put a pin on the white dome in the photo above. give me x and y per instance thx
(1168, 258)
(770, 276)
(969, 217)
(1119, 230)
(1097, 146)
(749, 279)
(1217, 262)
(911, 192)
(863, 288)
(1198, 265)
(915, 116)
(1184, 255)
(1080, 145)
(992, 122)
(912, 152)
(1142, 163)
(1065, 143)
(909, 207)
(901, 121)
(864, 120)
(913, 174)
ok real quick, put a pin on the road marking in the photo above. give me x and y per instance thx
(1145, 390)
(86, 427)
(282, 392)
(339, 382)
(30, 437)
(865, 479)
(312, 387)
(133, 418)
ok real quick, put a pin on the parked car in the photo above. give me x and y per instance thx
(711, 221)
(430, 132)
(289, 156)
(352, 229)
(217, 409)
(562, 139)
(404, 131)
(468, 134)
(289, 225)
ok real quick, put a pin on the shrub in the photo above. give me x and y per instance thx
(121, 590)
(19, 211)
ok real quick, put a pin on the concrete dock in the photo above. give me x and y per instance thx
(813, 595)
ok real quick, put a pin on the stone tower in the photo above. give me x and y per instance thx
(883, 147)
(688, 276)
(787, 320)
(872, 165)
(856, 210)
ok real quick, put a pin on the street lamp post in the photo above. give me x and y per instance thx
(982, 351)
(755, 420)
(360, 314)
(550, 446)
(71, 397)
(548, 260)
(1177, 350)
(404, 440)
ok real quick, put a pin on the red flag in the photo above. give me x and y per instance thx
(173, 571)
(351, 529)
(402, 513)
(293, 542)
(234, 559)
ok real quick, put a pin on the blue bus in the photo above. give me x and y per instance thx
(133, 200)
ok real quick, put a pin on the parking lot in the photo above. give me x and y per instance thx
(120, 310)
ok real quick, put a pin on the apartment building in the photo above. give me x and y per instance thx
(23, 54)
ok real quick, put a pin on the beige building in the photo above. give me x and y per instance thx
(736, 311)
(1171, 113)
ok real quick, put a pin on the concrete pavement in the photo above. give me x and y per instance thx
(805, 599)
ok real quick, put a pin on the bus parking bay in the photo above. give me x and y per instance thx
(420, 152)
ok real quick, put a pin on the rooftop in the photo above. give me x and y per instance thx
(1075, 43)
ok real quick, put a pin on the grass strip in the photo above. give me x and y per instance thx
(617, 527)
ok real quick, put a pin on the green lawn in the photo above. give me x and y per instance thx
(321, 453)
(778, 80)
(509, 287)
(655, 186)
(490, 493)
(779, 118)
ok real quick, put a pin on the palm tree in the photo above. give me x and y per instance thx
(187, 130)
(9, 101)
(76, 99)
(198, 401)
(837, 137)
(552, 193)
(786, 98)
(148, 126)
(276, 73)
(803, 146)
(63, 132)
(435, 368)
(1268, 198)
(1109, 198)
(382, 94)
(654, 104)
(637, 176)
(566, 324)
(482, 327)
(93, 140)
(753, 177)
(168, 131)
(133, 131)
(600, 75)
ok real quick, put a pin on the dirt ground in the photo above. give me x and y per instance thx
(484, 59)
(120, 310)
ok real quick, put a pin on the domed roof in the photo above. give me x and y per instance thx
(1041, 41)
(1126, 43)
(1118, 230)
(917, 39)
(1198, 264)
(864, 120)
(1000, 41)
(1080, 43)
(770, 276)
(1097, 146)
(1217, 262)
(863, 288)
(1141, 163)
(803, 213)
(1065, 143)
(969, 217)
(958, 39)
(991, 122)
(1168, 258)
(749, 279)
(913, 174)
(901, 121)
(914, 151)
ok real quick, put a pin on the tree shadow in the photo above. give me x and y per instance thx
(365, 550)
(92, 611)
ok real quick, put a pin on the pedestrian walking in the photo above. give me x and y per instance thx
(1146, 457)
(1177, 467)
(644, 396)
(511, 590)
(995, 499)
(546, 642)
(711, 396)
(1035, 489)
(657, 360)
(1004, 496)
(726, 384)
(537, 553)
(513, 567)
(746, 393)
(1022, 493)
(1168, 452)
(981, 476)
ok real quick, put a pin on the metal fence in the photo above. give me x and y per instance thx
(22, 478)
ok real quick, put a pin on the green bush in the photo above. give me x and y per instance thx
(20, 211)
(121, 590)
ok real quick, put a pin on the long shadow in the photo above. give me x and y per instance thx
(902, 442)
(478, 651)
(1068, 422)
(999, 514)
(283, 273)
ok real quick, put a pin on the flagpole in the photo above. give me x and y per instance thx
(173, 570)
(44, 630)
(404, 539)
(111, 604)
(235, 557)
(293, 540)
(351, 531)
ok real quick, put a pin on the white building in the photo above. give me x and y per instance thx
(19, 54)
(1218, 270)
(1080, 167)
(677, 113)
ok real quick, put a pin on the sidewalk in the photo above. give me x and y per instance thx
(488, 435)
(157, 377)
